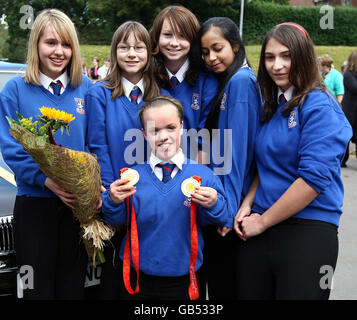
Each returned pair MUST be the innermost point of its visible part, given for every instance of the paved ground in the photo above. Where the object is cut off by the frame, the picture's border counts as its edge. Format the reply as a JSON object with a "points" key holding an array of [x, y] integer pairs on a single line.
{"points": [[345, 279]]}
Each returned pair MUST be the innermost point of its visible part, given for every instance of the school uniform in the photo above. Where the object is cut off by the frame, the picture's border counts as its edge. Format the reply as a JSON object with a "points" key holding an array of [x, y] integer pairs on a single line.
{"points": [[163, 223], [46, 235], [285, 261], [196, 101], [232, 155]]}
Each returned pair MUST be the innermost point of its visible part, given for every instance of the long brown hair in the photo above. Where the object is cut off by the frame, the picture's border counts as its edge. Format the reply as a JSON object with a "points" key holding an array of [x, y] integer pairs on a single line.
{"points": [[304, 71], [352, 62], [180, 18], [114, 79]]}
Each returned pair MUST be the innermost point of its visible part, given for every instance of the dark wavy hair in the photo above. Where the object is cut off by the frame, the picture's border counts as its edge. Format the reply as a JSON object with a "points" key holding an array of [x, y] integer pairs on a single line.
{"points": [[304, 70], [183, 20], [230, 32]]}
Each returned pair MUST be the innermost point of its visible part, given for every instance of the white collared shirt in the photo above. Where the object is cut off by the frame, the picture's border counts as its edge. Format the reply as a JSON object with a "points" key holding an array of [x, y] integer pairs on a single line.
{"points": [[46, 81], [287, 94], [180, 75], [178, 159], [128, 86]]}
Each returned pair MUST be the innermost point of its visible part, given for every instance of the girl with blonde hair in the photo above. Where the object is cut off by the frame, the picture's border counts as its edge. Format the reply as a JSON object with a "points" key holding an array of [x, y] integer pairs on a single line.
{"points": [[46, 235]]}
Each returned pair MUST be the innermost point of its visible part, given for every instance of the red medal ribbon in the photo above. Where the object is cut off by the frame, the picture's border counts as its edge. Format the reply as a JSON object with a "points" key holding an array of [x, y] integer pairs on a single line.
{"points": [[134, 244], [193, 287]]}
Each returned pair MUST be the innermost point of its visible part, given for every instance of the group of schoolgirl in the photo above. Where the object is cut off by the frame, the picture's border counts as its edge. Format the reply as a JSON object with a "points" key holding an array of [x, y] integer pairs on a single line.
{"points": [[282, 193]]}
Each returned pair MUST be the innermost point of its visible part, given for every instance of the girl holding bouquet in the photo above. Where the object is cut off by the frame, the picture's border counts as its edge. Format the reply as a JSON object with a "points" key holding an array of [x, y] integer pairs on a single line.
{"points": [[235, 110], [113, 107], [168, 267], [46, 236]]}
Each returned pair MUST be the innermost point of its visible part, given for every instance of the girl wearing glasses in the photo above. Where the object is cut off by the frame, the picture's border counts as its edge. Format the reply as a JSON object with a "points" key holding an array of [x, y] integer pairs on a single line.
{"points": [[113, 107], [178, 66]]}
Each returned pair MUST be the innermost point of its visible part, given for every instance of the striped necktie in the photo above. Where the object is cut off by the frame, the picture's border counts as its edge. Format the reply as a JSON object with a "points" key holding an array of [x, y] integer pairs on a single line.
{"points": [[282, 99], [174, 82], [134, 95], [56, 86], [167, 169]]}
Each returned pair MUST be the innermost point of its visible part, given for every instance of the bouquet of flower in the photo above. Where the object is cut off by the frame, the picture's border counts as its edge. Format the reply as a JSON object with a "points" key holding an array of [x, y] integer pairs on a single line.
{"points": [[75, 171]]}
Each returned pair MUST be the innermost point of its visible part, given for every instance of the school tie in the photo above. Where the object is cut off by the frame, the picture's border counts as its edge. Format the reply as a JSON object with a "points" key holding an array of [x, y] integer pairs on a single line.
{"points": [[134, 95], [56, 86], [167, 169], [174, 82], [282, 99]]}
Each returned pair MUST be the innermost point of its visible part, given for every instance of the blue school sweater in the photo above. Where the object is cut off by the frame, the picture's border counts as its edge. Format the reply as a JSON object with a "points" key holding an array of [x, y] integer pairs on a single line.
{"points": [[310, 143], [232, 148], [163, 219], [27, 99], [114, 132], [196, 101]]}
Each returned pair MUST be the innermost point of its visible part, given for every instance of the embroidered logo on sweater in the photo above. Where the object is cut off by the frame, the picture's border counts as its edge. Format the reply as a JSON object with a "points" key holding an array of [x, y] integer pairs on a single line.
{"points": [[292, 119], [223, 102], [195, 101], [80, 105]]}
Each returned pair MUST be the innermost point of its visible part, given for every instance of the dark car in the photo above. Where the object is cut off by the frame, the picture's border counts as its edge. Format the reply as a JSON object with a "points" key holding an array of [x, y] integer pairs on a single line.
{"points": [[8, 269]]}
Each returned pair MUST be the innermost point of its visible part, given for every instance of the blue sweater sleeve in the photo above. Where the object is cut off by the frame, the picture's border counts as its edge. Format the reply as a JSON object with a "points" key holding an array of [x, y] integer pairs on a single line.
{"points": [[218, 214], [324, 135], [97, 141], [20, 162], [114, 213], [241, 116]]}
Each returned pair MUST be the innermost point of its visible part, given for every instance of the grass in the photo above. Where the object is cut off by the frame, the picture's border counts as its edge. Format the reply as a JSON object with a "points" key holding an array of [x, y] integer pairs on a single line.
{"points": [[338, 53]]}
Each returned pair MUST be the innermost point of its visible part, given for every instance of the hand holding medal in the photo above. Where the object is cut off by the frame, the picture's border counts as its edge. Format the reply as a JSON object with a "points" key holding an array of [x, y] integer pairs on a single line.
{"points": [[125, 187]]}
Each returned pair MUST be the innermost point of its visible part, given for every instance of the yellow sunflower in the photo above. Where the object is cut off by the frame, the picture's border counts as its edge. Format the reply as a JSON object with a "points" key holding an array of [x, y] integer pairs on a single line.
{"points": [[52, 113]]}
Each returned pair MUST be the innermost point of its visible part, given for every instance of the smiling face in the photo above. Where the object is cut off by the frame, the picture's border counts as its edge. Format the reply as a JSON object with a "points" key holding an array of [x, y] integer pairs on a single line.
{"points": [[54, 53], [277, 59], [131, 62], [163, 130], [217, 51], [174, 46]]}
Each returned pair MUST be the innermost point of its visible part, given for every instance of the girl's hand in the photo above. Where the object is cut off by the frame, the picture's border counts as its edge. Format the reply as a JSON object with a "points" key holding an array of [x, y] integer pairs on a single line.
{"points": [[223, 230], [119, 191], [100, 202], [66, 197], [243, 211], [253, 225], [205, 196]]}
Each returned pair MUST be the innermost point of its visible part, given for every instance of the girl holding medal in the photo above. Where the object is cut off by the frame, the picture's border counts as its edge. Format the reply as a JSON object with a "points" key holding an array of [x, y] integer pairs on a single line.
{"points": [[235, 110], [166, 200], [47, 237], [290, 216], [179, 68]]}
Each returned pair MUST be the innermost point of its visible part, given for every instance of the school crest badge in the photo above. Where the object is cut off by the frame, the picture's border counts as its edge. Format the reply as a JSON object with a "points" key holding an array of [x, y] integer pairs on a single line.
{"points": [[223, 102], [292, 119], [80, 105], [195, 101]]}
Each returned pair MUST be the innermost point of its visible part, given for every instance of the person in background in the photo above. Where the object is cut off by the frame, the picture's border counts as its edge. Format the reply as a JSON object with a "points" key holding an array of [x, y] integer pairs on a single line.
{"points": [[333, 78], [84, 65], [236, 109], [93, 72], [47, 237], [289, 219], [104, 69], [349, 102]]}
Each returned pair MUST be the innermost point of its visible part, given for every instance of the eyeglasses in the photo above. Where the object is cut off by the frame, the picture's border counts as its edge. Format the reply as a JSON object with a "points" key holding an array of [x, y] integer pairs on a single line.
{"points": [[137, 48]]}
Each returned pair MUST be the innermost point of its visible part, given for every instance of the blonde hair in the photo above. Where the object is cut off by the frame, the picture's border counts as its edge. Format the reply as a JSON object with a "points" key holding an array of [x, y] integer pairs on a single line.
{"points": [[60, 23], [326, 60], [114, 78]]}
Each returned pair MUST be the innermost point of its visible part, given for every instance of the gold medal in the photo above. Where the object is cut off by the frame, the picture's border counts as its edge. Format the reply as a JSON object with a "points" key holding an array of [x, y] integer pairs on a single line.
{"points": [[189, 186], [132, 175]]}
